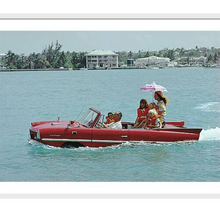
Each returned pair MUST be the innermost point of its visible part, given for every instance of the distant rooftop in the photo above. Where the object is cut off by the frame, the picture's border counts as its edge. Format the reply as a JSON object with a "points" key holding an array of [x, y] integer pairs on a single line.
{"points": [[101, 52], [154, 57]]}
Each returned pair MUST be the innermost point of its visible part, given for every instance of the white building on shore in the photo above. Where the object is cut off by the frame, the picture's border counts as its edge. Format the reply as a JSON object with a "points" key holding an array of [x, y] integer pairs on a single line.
{"points": [[192, 60], [152, 61], [101, 59], [2, 55]]}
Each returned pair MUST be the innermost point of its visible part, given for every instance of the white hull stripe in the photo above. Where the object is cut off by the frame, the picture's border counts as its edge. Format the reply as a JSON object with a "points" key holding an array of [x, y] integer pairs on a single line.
{"points": [[104, 141], [83, 140]]}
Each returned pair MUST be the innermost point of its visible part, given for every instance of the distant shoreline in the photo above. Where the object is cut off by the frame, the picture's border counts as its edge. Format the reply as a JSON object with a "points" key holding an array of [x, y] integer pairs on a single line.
{"points": [[21, 70], [66, 69]]}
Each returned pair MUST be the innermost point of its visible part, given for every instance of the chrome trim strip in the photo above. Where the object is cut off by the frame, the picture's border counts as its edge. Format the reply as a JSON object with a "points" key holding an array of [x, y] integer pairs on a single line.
{"points": [[64, 140], [103, 141], [107, 141], [83, 140], [38, 134]]}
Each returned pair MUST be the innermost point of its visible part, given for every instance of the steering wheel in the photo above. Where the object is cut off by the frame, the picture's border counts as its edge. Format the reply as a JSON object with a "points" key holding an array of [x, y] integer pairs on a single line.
{"points": [[90, 123]]}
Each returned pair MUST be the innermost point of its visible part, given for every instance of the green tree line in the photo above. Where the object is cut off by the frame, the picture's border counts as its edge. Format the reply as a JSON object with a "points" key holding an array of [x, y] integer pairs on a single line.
{"points": [[53, 57], [212, 54]]}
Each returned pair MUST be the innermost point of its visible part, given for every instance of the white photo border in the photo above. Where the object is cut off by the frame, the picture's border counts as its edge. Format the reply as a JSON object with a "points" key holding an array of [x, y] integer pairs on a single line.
{"points": [[107, 190]]}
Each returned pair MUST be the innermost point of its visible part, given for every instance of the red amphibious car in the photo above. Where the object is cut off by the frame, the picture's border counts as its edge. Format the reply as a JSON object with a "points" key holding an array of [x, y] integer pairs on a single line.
{"points": [[88, 131]]}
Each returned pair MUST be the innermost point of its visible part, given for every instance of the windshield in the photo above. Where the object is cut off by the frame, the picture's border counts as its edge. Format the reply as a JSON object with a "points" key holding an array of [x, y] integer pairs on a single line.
{"points": [[88, 119], [99, 122]]}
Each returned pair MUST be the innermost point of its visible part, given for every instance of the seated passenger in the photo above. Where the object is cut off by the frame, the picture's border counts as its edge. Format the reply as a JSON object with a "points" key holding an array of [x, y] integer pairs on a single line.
{"points": [[109, 118], [153, 120], [117, 121], [141, 113], [152, 105]]}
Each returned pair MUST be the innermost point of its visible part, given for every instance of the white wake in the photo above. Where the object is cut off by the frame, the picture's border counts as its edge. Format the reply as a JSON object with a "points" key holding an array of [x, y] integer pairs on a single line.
{"points": [[212, 134], [209, 107]]}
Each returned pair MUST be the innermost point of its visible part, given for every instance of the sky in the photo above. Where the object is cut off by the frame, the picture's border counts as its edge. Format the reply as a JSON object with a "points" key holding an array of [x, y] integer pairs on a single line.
{"points": [[85, 41]]}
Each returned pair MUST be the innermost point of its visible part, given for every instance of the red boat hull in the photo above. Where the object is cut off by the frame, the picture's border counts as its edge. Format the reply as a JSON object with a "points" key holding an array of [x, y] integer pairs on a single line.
{"points": [[59, 134]]}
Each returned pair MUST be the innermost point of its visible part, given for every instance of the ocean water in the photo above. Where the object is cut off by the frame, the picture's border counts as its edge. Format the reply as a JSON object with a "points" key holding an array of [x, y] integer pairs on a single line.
{"points": [[35, 96]]}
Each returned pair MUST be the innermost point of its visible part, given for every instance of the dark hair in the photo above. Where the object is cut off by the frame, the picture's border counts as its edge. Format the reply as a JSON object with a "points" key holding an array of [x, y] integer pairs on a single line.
{"points": [[110, 113], [162, 98], [145, 102]]}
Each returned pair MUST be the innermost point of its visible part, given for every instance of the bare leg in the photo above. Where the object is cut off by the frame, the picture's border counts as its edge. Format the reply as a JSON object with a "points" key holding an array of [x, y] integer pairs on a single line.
{"points": [[136, 124], [143, 123]]}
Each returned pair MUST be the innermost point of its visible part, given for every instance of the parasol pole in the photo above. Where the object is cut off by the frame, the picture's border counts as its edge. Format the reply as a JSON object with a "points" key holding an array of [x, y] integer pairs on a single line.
{"points": [[152, 96]]}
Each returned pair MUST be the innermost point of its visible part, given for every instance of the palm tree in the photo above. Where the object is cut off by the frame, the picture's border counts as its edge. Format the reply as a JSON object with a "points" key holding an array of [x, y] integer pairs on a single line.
{"points": [[74, 58], [182, 52], [147, 54], [10, 60], [210, 58], [40, 61], [53, 54], [215, 58], [170, 54], [130, 55], [61, 60]]}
